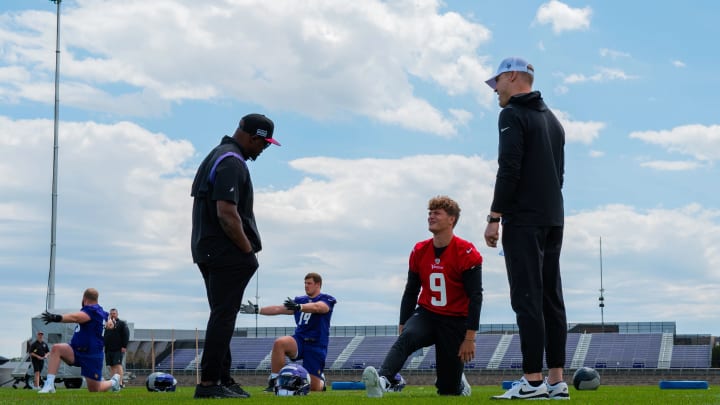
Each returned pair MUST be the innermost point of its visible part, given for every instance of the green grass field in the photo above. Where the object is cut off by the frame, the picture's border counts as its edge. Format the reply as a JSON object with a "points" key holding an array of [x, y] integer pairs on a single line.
{"points": [[414, 395]]}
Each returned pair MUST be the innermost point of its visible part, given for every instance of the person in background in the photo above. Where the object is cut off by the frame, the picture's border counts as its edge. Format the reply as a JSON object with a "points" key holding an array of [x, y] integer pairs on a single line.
{"points": [[39, 351], [116, 341]]}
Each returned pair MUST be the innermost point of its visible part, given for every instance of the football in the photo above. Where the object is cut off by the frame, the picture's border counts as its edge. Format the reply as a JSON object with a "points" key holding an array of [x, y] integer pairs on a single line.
{"points": [[586, 378]]}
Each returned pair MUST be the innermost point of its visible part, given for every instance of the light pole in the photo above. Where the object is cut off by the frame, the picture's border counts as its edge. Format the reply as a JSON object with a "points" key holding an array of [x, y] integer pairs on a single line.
{"points": [[50, 300], [602, 290]]}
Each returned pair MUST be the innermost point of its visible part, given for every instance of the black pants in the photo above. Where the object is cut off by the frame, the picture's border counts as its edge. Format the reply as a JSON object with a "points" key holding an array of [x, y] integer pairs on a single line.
{"points": [[225, 282], [532, 258], [424, 329]]}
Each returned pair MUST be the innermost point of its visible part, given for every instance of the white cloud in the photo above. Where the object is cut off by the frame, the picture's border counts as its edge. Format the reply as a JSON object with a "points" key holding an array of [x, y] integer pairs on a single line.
{"points": [[330, 58], [579, 131], [678, 63], [613, 54], [675, 165], [604, 74], [699, 141], [596, 153], [563, 17]]}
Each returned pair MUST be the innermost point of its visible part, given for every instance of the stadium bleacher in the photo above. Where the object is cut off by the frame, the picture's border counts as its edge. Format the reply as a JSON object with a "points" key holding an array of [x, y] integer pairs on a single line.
{"points": [[691, 356], [600, 350]]}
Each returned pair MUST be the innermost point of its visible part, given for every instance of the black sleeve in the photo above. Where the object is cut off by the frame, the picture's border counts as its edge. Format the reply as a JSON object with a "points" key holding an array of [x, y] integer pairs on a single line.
{"points": [[472, 280], [510, 156], [409, 298]]}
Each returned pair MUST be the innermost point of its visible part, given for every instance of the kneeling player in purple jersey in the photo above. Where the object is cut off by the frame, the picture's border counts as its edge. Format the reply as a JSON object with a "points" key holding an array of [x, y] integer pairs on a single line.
{"points": [[310, 341], [86, 346]]}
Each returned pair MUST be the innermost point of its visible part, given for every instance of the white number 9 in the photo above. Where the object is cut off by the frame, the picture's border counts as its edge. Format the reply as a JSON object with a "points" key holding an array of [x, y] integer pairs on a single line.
{"points": [[437, 284]]}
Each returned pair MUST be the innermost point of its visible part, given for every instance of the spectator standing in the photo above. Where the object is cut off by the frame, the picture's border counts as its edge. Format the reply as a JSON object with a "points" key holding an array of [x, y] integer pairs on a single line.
{"points": [[39, 351], [116, 342]]}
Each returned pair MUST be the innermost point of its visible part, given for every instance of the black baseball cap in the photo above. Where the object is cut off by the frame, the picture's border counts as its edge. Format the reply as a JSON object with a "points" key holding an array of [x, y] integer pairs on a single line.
{"points": [[260, 125]]}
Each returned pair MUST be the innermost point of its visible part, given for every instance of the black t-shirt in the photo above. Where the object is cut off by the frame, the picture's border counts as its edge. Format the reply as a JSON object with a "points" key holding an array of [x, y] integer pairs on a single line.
{"points": [[39, 348], [223, 175]]}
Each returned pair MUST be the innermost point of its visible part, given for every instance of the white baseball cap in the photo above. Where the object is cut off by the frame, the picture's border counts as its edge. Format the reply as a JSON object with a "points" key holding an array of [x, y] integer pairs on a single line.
{"points": [[511, 64]]}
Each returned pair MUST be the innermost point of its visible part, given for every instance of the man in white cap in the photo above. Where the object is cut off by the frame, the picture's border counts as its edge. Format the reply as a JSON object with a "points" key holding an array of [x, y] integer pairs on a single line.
{"points": [[528, 202]]}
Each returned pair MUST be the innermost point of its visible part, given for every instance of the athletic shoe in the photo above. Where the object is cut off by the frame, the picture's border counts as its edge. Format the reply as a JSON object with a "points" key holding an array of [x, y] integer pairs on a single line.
{"points": [[47, 389], [523, 390], [214, 391], [271, 385], [557, 391], [466, 389], [236, 388], [115, 380], [375, 385], [324, 381]]}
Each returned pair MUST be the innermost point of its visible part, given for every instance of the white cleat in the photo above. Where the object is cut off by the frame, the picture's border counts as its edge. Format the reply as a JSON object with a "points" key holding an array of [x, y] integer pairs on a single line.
{"points": [[374, 384], [558, 391], [47, 389], [523, 390], [115, 383]]}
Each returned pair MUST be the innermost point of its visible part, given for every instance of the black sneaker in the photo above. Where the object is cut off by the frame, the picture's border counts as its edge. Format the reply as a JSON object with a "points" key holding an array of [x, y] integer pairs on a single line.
{"points": [[271, 385], [214, 391], [236, 388]]}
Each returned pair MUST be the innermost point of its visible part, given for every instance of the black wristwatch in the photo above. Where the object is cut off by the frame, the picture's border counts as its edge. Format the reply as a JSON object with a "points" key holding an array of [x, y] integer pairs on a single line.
{"points": [[491, 219]]}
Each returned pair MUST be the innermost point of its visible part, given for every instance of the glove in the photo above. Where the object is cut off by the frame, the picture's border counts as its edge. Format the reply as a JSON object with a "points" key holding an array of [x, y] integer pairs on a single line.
{"points": [[292, 305], [48, 317], [250, 308]]}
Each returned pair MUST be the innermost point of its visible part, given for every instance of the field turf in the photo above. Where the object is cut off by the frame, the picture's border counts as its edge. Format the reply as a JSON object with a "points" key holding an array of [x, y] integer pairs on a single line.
{"points": [[411, 395]]}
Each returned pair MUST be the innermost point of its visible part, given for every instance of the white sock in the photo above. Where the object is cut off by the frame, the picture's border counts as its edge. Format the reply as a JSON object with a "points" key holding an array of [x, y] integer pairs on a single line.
{"points": [[274, 375], [50, 380]]}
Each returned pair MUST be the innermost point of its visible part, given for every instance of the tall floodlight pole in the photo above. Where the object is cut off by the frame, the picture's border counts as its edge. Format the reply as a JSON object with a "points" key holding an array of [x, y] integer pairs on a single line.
{"points": [[50, 300], [602, 290]]}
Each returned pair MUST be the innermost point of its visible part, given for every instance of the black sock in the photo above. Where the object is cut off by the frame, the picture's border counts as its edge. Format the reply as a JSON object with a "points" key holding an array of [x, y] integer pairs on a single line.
{"points": [[535, 383]]}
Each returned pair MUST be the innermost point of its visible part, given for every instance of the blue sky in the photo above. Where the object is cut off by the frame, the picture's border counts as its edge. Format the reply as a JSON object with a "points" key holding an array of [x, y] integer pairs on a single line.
{"points": [[379, 106]]}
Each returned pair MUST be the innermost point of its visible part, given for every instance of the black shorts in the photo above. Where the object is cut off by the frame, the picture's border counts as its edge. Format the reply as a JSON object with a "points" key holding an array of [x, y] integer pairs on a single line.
{"points": [[37, 365], [113, 358]]}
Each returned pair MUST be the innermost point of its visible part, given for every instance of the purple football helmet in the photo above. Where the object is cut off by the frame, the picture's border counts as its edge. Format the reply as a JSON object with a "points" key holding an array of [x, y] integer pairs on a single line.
{"points": [[293, 379]]}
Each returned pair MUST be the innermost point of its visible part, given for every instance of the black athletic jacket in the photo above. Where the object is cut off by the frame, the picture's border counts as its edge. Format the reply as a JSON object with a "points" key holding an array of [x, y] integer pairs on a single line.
{"points": [[531, 163]]}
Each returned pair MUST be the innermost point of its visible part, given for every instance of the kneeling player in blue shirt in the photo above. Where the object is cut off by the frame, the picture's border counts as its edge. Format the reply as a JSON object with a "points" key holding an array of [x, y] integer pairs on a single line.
{"points": [[310, 341]]}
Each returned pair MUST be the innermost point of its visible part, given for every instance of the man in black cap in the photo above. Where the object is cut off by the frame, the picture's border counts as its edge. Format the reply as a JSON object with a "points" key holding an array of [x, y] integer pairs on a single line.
{"points": [[224, 242], [38, 353]]}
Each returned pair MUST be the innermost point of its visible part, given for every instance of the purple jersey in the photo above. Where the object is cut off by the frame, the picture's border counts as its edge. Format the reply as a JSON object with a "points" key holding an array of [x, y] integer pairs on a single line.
{"points": [[88, 336], [314, 328]]}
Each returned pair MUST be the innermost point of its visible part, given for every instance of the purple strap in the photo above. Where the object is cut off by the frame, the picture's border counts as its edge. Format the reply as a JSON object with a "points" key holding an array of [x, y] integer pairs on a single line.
{"points": [[211, 177]]}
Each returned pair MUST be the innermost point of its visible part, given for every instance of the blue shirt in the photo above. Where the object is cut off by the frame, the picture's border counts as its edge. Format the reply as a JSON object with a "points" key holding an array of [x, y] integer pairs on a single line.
{"points": [[314, 327], [88, 336]]}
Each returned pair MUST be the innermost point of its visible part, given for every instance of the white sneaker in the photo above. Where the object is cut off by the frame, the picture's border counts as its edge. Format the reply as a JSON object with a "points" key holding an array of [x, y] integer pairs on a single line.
{"points": [[558, 391], [375, 385], [523, 390], [115, 383], [47, 389], [467, 390]]}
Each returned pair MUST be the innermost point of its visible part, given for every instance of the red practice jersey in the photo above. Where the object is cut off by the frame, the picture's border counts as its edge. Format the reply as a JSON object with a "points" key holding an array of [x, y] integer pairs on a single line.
{"points": [[441, 278]]}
